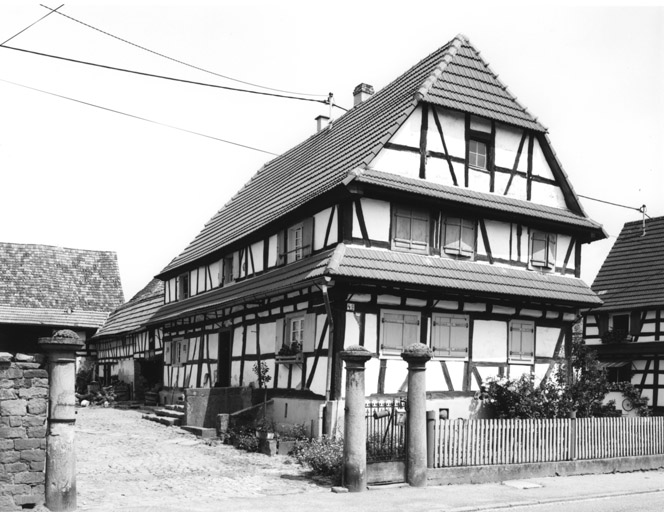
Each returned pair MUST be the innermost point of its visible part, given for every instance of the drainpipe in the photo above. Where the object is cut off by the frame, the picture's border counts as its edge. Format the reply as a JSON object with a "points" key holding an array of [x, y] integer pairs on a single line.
{"points": [[330, 347]]}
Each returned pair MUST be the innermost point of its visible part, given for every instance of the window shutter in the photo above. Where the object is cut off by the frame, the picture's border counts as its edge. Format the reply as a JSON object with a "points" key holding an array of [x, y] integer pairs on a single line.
{"points": [[551, 256], [467, 242], [392, 331], [522, 341], [281, 250], [538, 249], [635, 323], [307, 236], [184, 351], [168, 359], [309, 335], [459, 334], [279, 335], [452, 235], [440, 335]]}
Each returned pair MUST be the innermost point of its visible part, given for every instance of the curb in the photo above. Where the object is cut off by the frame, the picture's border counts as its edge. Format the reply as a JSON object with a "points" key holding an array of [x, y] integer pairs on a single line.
{"points": [[549, 501]]}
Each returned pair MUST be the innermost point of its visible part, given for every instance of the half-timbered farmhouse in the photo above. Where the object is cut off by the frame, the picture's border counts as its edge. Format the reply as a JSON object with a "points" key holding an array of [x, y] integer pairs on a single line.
{"points": [[628, 328], [126, 348], [44, 289], [434, 211]]}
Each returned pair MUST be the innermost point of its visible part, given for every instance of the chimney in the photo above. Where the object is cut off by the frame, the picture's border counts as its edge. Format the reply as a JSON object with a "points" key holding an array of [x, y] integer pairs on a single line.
{"points": [[361, 93], [321, 122]]}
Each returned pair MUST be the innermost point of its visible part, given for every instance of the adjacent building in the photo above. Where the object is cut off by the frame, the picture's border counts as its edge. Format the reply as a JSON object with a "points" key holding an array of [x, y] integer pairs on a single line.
{"points": [[44, 289], [628, 328]]}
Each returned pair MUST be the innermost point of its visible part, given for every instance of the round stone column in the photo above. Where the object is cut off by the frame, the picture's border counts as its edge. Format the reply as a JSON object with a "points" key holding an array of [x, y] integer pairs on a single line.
{"points": [[355, 429], [417, 355], [60, 455]]}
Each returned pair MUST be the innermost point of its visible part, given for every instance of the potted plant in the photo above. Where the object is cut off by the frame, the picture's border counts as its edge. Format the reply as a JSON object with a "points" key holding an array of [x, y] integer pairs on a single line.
{"points": [[263, 427]]}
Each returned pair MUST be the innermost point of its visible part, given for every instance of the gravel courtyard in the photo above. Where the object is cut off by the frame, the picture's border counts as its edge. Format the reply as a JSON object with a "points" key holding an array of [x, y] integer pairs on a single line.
{"points": [[126, 463]]}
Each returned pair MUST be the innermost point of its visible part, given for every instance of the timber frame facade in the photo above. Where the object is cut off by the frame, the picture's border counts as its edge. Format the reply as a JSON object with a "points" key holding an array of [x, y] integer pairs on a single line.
{"points": [[628, 329], [435, 211]]}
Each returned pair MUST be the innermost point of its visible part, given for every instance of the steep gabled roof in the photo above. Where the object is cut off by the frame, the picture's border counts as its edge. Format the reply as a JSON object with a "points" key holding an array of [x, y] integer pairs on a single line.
{"points": [[632, 275], [454, 76], [134, 314], [42, 284]]}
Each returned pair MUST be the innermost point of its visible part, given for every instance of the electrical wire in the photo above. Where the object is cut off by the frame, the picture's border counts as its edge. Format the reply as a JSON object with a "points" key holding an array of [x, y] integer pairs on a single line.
{"points": [[641, 209], [163, 77], [31, 25], [177, 60], [139, 117]]}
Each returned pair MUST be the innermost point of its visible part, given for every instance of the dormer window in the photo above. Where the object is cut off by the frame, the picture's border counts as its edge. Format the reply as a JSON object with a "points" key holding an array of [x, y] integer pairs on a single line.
{"points": [[410, 229], [477, 154], [295, 243], [459, 237]]}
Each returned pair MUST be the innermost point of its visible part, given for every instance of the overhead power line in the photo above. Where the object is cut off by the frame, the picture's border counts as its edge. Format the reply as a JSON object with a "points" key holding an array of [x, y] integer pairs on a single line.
{"points": [[177, 60], [172, 79], [139, 117], [641, 209], [32, 24]]}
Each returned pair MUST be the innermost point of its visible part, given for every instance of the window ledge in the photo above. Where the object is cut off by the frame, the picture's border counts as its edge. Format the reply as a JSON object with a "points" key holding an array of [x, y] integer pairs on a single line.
{"points": [[293, 359]]}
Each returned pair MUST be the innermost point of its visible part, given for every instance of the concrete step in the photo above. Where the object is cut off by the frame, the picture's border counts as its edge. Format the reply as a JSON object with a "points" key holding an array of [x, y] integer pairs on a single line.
{"points": [[169, 422], [175, 407], [203, 433], [169, 413]]}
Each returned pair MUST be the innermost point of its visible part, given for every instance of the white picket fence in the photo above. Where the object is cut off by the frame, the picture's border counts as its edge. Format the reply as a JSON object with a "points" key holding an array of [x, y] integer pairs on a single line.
{"points": [[485, 442]]}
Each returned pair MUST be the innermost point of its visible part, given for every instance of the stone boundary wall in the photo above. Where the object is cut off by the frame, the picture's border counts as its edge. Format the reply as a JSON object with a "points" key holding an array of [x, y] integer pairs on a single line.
{"points": [[23, 409]]}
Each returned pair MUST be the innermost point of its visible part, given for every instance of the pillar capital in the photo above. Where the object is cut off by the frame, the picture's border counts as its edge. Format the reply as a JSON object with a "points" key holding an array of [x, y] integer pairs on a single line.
{"points": [[64, 340], [416, 355], [355, 357]]}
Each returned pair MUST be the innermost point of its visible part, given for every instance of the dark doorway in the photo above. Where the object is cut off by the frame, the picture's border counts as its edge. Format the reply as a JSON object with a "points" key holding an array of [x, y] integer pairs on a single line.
{"points": [[225, 353]]}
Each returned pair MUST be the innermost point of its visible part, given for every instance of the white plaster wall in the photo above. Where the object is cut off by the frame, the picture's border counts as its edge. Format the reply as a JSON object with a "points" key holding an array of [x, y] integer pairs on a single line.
{"points": [[293, 411], [454, 129], [396, 375], [489, 343], [237, 341], [371, 332], [267, 336], [517, 370], [480, 124], [408, 133], [371, 373], [438, 171], [540, 371], [562, 244], [518, 188], [201, 274], [477, 180], [251, 339], [457, 373], [125, 370], [486, 372], [507, 146], [321, 220], [272, 253], [435, 379], [320, 322], [257, 252], [499, 238], [458, 407], [319, 382], [546, 339], [215, 273], [550, 195], [213, 345], [540, 165], [352, 333], [403, 163], [376, 218]]}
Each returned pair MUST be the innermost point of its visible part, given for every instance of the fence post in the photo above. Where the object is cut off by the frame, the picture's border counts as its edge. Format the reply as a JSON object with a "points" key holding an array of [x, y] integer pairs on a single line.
{"points": [[572, 437], [431, 438], [60, 488], [416, 355], [355, 428]]}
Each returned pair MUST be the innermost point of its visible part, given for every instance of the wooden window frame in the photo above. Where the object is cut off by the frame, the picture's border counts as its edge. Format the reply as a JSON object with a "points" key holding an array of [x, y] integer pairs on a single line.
{"points": [[455, 248], [474, 156], [546, 243], [396, 350], [178, 346], [517, 356], [408, 244], [183, 285], [448, 322], [227, 276]]}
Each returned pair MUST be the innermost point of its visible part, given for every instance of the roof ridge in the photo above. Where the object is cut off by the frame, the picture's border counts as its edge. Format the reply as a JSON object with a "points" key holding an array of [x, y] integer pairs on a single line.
{"points": [[450, 53]]}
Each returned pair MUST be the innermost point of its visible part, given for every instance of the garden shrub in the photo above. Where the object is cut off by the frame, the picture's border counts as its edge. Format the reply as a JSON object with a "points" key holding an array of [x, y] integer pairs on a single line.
{"points": [[243, 438], [325, 456]]}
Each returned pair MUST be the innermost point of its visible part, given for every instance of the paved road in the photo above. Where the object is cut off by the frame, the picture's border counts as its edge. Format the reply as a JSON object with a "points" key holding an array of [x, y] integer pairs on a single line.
{"points": [[647, 502], [123, 461]]}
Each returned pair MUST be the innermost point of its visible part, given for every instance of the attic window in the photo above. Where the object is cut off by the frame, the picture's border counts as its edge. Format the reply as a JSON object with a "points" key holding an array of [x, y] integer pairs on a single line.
{"points": [[543, 250], [183, 286], [477, 155]]}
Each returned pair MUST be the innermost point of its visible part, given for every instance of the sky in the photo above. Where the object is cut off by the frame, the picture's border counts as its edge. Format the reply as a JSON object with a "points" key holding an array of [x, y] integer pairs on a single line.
{"points": [[106, 169]]}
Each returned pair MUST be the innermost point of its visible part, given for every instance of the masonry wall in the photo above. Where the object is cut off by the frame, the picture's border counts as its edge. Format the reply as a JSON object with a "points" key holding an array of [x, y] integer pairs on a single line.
{"points": [[23, 406]]}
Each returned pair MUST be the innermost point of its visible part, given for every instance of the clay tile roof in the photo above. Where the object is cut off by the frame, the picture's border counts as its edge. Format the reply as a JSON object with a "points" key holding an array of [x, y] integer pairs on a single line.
{"points": [[632, 275], [453, 76], [134, 314], [449, 275], [42, 284]]}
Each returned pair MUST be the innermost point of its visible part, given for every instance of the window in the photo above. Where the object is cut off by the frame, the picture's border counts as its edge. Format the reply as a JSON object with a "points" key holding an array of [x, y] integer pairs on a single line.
{"points": [[295, 243], [183, 286], [522, 341], [449, 335], [477, 155], [179, 352], [293, 340], [227, 270], [398, 330], [542, 250], [459, 237], [410, 230]]}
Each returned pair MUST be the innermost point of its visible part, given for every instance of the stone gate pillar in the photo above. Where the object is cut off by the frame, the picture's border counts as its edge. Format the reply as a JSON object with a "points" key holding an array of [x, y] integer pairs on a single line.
{"points": [[417, 355], [60, 456], [355, 429]]}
